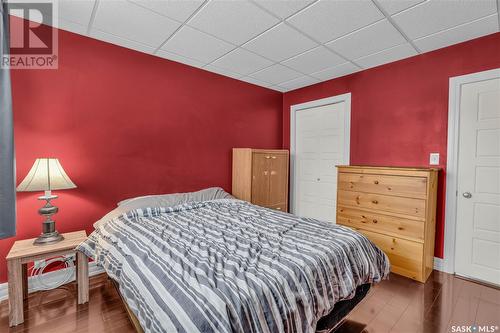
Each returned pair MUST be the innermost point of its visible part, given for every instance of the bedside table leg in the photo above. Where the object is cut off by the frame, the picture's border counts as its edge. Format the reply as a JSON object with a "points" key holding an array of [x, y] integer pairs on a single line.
{"points": [[16, 315], [25, 281], [82, 277]]}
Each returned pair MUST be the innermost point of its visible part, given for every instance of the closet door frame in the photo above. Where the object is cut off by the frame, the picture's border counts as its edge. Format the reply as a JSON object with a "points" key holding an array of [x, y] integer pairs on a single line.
{"points": [[346, 98]]}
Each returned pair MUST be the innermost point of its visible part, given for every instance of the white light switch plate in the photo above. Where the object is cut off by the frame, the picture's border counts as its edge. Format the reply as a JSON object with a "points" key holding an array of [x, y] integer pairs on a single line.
{"points": [[434, 159]]}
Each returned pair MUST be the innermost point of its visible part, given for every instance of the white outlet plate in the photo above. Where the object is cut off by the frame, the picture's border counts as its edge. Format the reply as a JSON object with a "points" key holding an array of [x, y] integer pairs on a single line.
{"points": [[434, 159]]}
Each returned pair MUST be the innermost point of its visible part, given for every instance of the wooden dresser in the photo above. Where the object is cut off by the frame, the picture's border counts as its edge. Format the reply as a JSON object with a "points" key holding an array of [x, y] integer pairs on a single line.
{"points": [[396, 209], [261, 177]]}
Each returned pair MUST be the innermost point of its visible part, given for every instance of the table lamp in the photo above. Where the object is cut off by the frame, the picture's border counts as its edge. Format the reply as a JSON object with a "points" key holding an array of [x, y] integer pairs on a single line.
{"points": [[47, 174]]}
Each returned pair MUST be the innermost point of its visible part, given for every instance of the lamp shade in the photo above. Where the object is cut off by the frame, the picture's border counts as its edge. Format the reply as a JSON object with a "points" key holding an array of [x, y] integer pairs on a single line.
{"points": [[46, 174]]}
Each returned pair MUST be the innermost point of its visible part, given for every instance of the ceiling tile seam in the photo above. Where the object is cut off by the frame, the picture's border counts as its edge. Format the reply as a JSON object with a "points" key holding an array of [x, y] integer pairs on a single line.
{"points": [[125, 39], [224, 40], [249, 77], [180, 55], [396, 26], [316, 41], [410, 8], [287, 81], [498, 13], [92, 17], [301, 32], [384, 50], [289, 16], [240, 45], [182, 25], [456, 26], [274, 62], [157, 12], [278, 63], [356, 30]]}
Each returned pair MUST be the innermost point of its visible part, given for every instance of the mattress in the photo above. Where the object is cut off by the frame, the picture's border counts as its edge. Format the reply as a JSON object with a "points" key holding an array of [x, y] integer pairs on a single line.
{"points": [[230, 266]]}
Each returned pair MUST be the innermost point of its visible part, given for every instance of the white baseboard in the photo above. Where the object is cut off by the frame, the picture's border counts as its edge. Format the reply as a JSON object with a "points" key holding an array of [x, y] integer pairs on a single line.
{"points": [[442, 265], [50, 277]]}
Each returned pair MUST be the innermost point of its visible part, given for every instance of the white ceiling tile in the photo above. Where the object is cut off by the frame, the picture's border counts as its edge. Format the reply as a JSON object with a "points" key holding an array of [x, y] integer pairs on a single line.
{"points": [[127, 20], [177, 58], [72, 27], [337, 71], [76, 11], [475, 29], [436, 15], [276, 74], [278, 88], [330, 19], [283, 8], [376, 37], [299, 82], [242, 61], [395, 6], [255, 81], [221, 71], [179, 10], [393, 54], [314, 60], [233, 21], [194, 44], [280, 43], [130, 44]]}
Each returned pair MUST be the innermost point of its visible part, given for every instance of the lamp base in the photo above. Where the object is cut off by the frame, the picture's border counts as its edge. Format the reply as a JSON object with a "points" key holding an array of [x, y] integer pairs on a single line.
{"points": [[48, 238]]}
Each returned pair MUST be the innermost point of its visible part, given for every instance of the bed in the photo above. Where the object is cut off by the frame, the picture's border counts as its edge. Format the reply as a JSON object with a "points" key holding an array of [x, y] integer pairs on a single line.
{"points": [[213, 263]]}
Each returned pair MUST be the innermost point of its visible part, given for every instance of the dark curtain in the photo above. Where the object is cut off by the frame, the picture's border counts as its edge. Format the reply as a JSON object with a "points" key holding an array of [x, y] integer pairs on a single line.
{"points": [[7, 177]]}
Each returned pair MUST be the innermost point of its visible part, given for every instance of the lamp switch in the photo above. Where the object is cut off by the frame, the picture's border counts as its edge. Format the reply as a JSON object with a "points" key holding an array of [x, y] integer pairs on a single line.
{"points": [[434, 159]]}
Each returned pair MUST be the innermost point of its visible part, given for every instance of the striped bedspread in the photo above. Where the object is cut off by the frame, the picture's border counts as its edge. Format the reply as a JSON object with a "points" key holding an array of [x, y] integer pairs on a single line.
{"points": [[230, 266]]}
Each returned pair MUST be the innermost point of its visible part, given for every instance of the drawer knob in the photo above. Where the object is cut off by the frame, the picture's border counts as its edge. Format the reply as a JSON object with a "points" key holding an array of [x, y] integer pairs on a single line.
{"points": [[376, 182], [268, 157], [273, 157], [375, 221], [278, 208], [401, 228], [375, 202]]}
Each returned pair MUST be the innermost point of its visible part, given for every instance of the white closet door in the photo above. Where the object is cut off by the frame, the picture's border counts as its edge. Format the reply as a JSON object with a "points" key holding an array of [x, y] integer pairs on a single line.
{"points": [[478, 205], [320, 143]]}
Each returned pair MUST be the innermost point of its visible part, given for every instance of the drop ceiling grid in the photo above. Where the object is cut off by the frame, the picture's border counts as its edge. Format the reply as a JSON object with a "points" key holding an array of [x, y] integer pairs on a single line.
{"points": [[418, 23]]}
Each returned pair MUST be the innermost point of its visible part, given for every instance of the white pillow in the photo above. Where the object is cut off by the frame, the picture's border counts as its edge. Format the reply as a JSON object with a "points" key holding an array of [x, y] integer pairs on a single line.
{"points": [[164, 200], [173, 199]]}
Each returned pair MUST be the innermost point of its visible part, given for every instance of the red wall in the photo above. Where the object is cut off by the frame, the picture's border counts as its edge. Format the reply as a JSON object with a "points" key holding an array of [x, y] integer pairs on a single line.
{"points": [[399, 111], [124, 123]]}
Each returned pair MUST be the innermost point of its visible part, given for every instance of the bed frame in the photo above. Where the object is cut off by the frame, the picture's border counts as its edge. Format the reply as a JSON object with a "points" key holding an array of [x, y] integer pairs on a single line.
{"points": [[327, 324], [131, 315]]}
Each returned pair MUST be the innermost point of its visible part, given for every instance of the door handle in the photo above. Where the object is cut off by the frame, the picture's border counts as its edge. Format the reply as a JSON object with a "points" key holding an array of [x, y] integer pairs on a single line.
{"points": [[467, 195]]}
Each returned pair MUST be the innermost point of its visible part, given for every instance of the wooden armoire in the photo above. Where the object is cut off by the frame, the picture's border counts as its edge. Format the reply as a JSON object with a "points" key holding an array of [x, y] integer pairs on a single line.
{"points": [[261, 177]]}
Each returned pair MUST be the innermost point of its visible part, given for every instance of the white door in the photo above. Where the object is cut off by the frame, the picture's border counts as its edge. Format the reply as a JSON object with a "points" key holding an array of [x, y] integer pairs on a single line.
{"points": [[477, 245], [320, 145]]}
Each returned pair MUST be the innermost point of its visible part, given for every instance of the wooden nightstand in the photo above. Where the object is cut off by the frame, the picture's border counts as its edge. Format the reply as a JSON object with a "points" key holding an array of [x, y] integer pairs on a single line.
{"points": [[24, 251]]}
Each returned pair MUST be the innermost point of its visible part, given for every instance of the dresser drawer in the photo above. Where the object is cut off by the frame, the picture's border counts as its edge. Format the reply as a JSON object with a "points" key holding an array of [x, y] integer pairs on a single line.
{"points": [[414, 187], [382, 203], [386, 224], [405, 256]]}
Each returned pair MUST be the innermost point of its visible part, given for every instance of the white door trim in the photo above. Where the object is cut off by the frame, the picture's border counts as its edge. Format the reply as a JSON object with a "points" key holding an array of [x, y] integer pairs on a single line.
{"points": [[312, 104], [452, 161]]}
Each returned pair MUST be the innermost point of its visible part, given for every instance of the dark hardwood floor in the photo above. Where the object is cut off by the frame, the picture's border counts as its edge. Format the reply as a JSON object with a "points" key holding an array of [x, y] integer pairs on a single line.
{"points": [[397, 305]]}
